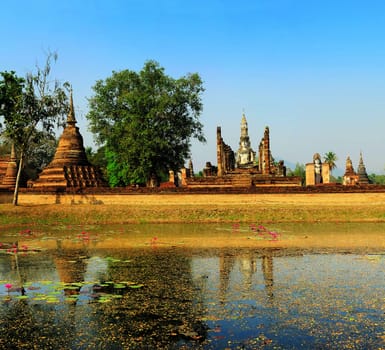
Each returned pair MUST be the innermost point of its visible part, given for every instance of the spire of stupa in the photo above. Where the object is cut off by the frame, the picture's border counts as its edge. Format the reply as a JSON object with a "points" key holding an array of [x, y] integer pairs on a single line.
{"points": [[71, 114], [245, 154], [349, 170], [13, 152], [361, 172], [244, 128]]}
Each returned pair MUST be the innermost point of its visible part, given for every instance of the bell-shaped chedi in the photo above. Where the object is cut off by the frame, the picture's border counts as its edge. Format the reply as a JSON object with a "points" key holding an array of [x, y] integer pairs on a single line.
{"points": [[245, 154], [9, 179], [70, 166], [361, 172], [350, 176]]}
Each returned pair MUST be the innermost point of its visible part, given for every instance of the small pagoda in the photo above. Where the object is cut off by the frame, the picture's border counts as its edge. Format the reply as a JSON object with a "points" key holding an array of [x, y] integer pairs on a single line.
{"points": [[363, 178], [70, 167], [8, 171], [350, 176]]}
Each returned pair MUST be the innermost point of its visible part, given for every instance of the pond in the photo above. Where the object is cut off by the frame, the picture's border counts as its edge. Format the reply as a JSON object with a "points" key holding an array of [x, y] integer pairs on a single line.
{"points": [[192, 287]]}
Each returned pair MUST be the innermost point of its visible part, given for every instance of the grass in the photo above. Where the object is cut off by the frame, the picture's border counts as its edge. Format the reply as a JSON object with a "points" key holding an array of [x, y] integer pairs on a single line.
{"points": [[204, 209]]}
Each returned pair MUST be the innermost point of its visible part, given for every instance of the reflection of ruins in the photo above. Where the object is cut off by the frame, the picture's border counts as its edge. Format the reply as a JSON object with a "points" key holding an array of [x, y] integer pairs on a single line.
{"points": [[166, 310], [247, 262], [180, 289]]}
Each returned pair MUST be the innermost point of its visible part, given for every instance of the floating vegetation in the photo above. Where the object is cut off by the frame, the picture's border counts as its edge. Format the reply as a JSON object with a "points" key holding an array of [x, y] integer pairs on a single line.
{"points": [[46, 291], [85, 290]]}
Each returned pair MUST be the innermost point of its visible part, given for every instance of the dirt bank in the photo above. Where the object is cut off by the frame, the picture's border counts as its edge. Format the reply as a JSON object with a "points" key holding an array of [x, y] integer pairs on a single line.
{"points": [[188, 208]]}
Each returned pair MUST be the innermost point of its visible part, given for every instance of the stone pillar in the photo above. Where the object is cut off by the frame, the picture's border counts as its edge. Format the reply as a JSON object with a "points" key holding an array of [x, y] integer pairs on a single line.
{"points": [[310, 177], [219, 152], [325, 173], [171, 176], [191, 168], [266, 152], [183, 176]]}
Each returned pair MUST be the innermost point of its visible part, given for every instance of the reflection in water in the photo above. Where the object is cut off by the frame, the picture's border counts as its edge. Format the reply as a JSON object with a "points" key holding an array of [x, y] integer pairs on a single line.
{"points": [[87, 297], [267, 268]]}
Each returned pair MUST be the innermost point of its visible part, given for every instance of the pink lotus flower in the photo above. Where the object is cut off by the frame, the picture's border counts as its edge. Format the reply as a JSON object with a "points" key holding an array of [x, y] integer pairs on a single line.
{"points": [[8, 286]]}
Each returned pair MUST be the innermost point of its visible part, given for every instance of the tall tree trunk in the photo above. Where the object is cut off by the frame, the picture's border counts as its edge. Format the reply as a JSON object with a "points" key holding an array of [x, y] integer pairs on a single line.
{"points": [[16, 192]]}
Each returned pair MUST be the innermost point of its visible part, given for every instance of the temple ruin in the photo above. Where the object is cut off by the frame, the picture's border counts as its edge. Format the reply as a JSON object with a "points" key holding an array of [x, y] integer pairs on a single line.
{"points": [[70, 167], [317, 173], [8, 170], [355, 178], [243, 168]]}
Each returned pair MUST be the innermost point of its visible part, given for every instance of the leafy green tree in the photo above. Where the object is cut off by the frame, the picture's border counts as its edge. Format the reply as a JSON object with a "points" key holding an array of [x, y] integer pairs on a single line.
{"points": [[377, 179], [5, 147], [39, 154], [31, 107], [98, 159], [331, 158], [145, 120], [300, 171]]}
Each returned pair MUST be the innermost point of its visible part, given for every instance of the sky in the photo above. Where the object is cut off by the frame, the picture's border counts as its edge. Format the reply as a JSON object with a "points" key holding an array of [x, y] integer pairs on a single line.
{"points": [[313, 71]]}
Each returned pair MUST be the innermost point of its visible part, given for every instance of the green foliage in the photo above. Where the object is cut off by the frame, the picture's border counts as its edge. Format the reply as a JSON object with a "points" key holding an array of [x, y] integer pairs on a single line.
{"points": [[145, 120], [98, 158], [5, 147], [331, 158], [39, 154], [300, 171], [338, 179], [31, 108], [377, 179]]}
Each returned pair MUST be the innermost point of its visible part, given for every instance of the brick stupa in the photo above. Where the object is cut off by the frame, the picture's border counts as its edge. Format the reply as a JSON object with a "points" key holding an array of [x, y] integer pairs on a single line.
{"points": [[350, 176], [361, 172], [70, 167], [8, 177]]}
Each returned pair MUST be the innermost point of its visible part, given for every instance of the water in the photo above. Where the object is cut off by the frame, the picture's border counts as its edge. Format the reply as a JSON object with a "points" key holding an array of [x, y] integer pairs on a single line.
{"points": [[125, 288]]}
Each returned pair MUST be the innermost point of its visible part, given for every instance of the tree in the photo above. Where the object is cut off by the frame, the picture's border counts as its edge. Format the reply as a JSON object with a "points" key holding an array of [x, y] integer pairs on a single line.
{"points": [[39, 154], [377, 179], [98, 158], [5, 147], [31, 107], [300, 171], [145, 121], [331, 158]]}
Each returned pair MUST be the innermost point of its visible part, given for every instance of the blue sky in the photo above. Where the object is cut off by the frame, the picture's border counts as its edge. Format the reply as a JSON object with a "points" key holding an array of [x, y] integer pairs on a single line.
{"points": [[313, 71]]}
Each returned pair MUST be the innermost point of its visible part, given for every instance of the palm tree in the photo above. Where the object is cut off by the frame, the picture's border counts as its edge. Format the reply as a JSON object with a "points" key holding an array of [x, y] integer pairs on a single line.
{"points": [[330, 158]]}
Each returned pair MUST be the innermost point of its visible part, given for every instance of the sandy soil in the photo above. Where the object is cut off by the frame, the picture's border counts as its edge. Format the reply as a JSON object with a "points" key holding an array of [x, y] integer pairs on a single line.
{"points": [[302, 220]]}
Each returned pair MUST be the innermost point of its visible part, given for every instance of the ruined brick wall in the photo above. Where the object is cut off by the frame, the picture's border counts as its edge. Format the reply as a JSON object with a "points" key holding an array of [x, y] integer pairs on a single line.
{"points": [[310, 177]]}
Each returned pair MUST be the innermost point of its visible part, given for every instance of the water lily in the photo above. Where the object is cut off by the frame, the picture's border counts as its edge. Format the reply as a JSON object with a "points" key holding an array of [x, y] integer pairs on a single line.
{"points": [[8, 286]]}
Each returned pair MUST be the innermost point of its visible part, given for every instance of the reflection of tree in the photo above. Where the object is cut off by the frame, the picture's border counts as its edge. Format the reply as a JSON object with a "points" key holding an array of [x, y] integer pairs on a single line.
{"points": [[164, 309], [163, 312]]}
